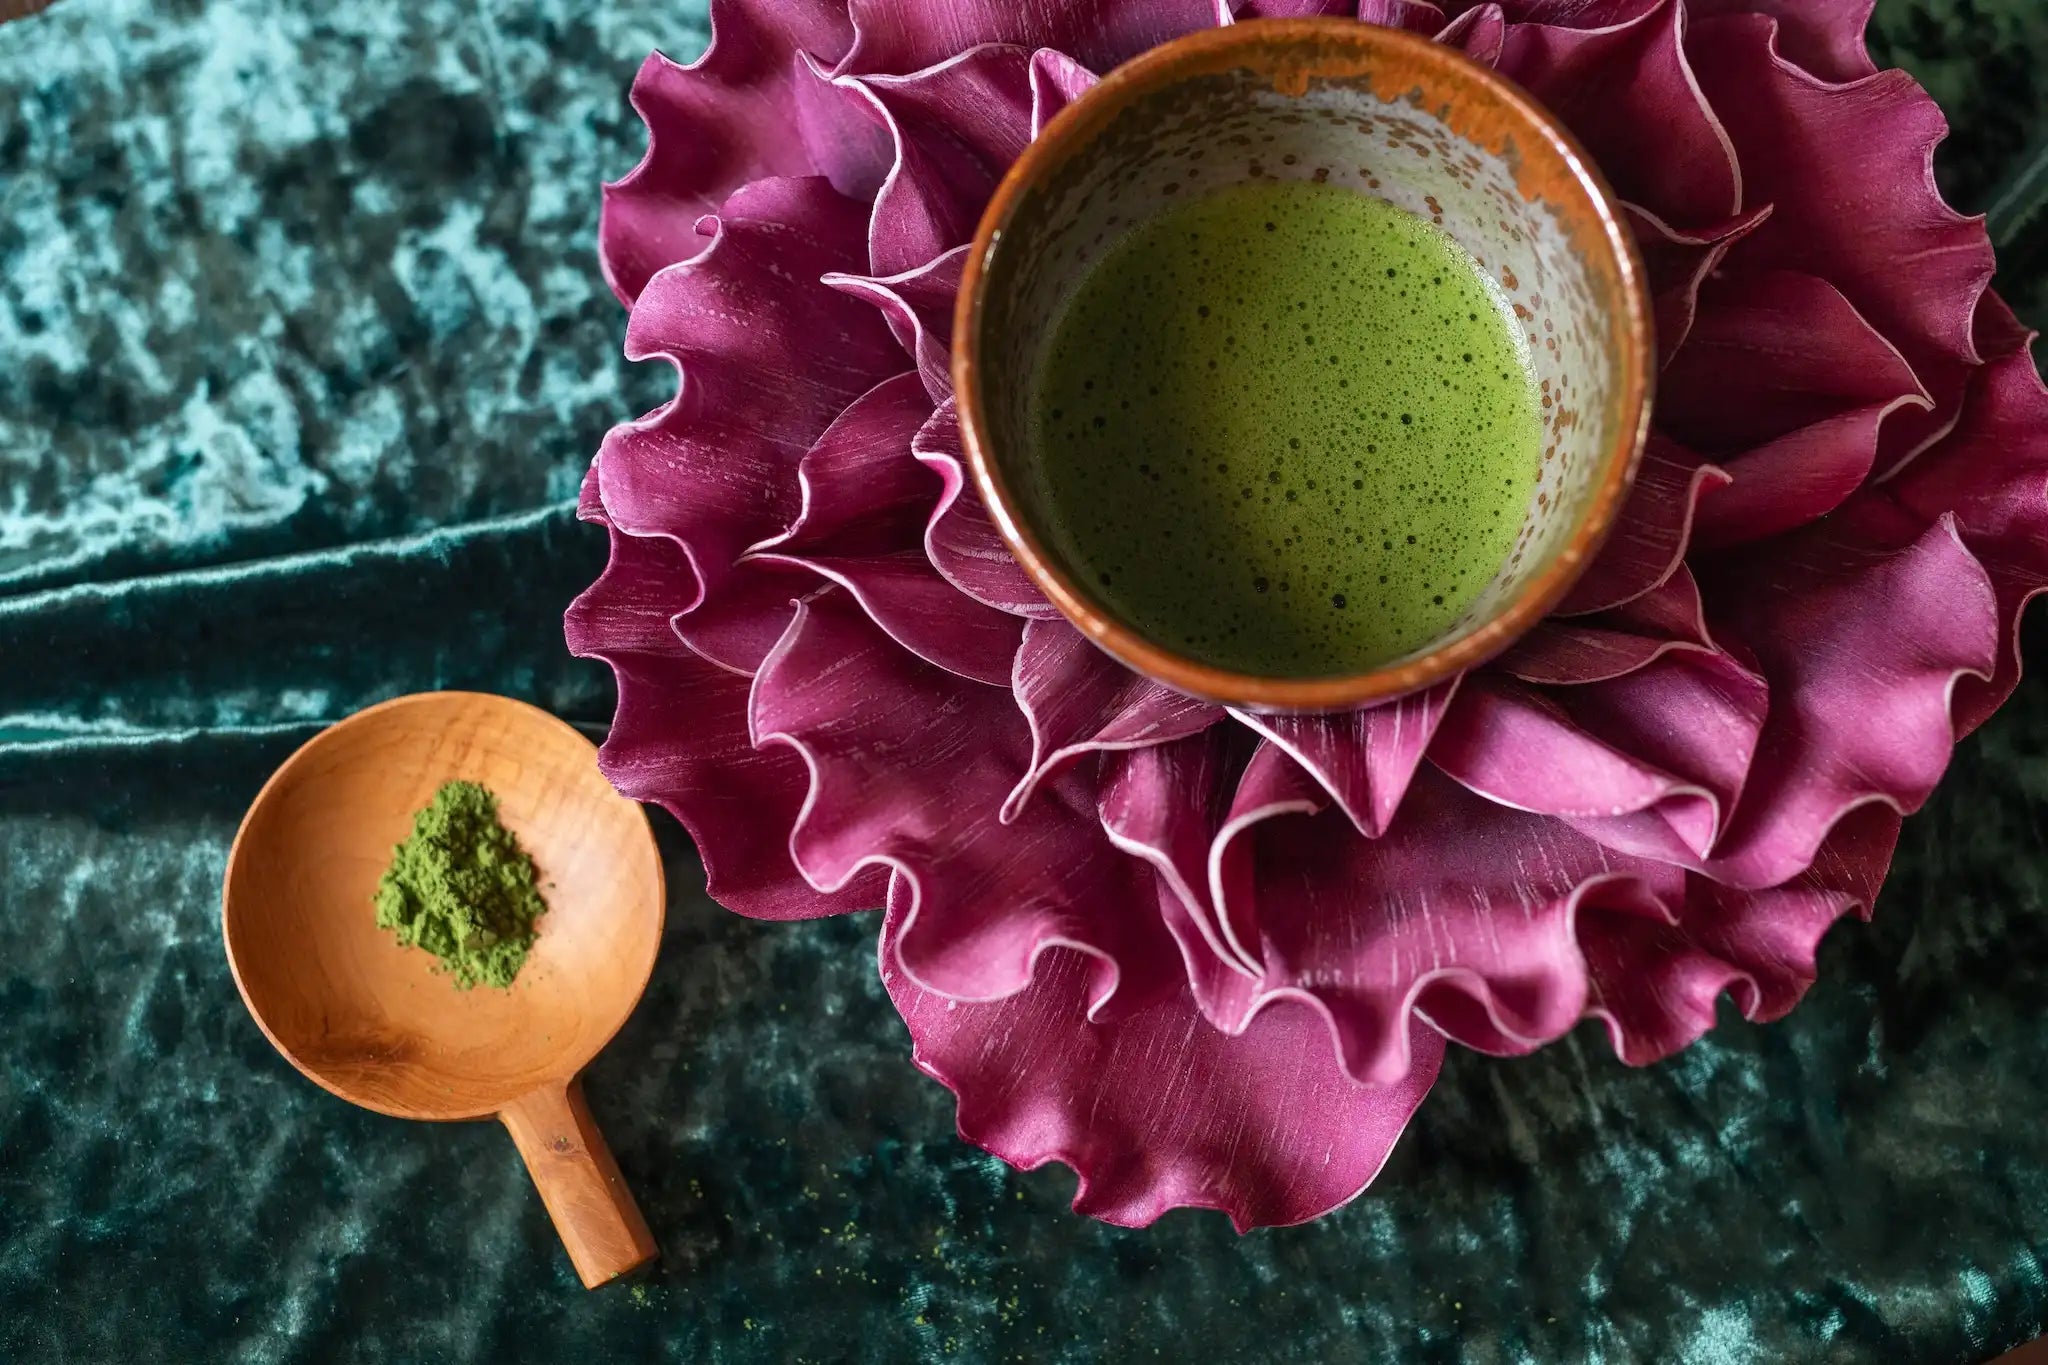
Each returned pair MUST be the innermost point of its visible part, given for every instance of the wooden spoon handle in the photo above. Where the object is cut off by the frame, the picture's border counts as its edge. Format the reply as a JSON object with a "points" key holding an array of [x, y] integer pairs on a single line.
{"points": [[579, 1182]]}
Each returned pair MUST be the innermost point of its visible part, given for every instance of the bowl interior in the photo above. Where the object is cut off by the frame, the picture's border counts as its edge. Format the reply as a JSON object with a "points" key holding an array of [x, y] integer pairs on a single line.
{"points": [[1390, 116], [374, 1022]]}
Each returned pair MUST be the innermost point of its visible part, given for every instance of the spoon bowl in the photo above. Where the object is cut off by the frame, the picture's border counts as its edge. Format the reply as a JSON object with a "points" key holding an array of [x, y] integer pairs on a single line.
{"points": [[374, 1022]]}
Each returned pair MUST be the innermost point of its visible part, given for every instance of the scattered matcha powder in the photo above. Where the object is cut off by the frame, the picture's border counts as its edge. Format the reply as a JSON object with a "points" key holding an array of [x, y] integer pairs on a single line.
{"points": [[462, 889]]}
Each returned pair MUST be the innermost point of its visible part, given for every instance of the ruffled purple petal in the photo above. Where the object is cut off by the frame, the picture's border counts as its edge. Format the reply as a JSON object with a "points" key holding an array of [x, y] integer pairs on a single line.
{"points": [[845, 134], [1649, 761], [906, 35], [1648, 543], [1798, 478], [1784, 385], [865, 501], [715, 468], [1057, 80], [1862, 630], [1678, 262], [1582, 14], [1503, 929], [1991, 475], [1999, 331], [1656, 984], [961, 541], [1773, 352], [1162, 803], [1155, 1110], [860, 490], [1364, 759], [1077, 701], [1629, 93], [1286, 9], [1849, 170], [712, 126], [733, 627], [957, 128], [918, 305], [1417, 16], [1823, 36], [1693, 712], [630, 607], [1673, 610], [1561, 653], [1465, 911], [909, 765], [921, 611], [736, 627], [680, 739], [1269, 786], [1480, 33]]}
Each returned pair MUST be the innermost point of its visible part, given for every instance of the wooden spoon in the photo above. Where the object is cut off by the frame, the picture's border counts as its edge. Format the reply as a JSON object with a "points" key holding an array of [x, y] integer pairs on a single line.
{"points": [[373, 1022]]}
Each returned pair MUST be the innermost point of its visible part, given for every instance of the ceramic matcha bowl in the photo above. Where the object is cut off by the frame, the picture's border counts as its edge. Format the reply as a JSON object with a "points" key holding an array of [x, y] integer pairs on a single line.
{"points": [[1387, 114]]}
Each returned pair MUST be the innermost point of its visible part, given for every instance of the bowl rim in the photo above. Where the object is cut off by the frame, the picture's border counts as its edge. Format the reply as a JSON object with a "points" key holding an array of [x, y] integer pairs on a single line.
{"points": [[1270, 47]]}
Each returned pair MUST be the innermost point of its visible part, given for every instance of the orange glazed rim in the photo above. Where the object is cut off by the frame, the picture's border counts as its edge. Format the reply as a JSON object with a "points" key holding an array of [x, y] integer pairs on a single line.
{"points": [[1482, 106]]}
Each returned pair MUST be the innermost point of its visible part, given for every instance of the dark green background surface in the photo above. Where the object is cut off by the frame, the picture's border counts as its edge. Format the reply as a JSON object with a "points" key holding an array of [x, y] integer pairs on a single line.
{"points": [[302, 352]]}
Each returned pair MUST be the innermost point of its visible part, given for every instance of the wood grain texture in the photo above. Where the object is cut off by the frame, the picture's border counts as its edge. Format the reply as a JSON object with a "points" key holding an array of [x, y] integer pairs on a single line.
{"points": [[579, 1182], [374, 1022]]}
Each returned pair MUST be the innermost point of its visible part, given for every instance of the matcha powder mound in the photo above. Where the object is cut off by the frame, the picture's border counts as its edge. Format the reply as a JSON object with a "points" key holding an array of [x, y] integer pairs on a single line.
{"points": [[463, 889]]}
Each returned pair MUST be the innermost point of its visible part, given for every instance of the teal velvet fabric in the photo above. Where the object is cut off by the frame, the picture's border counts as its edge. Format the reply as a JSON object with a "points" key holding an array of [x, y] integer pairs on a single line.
{"points": [[302, 353]]}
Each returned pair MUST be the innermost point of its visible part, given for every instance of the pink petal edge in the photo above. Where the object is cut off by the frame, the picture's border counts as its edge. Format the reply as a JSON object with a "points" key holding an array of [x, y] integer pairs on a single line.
{"points": [[1263, 1126]]}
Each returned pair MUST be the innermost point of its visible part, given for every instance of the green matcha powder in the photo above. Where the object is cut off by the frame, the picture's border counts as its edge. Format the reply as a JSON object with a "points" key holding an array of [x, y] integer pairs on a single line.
{"points": [[462, 889]]}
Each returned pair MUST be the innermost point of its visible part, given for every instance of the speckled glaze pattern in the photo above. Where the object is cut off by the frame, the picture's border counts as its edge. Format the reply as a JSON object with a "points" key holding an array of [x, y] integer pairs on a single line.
{"points": [[1391, 115], [195, 571]]}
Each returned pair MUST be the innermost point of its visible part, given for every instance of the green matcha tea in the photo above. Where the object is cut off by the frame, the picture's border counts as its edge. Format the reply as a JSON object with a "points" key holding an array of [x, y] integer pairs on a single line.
{"points": [[1286, 429]]}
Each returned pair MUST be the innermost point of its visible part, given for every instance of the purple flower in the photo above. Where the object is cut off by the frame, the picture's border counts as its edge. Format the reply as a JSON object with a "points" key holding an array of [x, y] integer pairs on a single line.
{"points": [[1212, 959]]}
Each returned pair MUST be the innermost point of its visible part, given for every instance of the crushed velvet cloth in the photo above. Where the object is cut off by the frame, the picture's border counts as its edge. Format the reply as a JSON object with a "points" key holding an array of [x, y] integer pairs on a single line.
{"points": [[303, 351]]}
